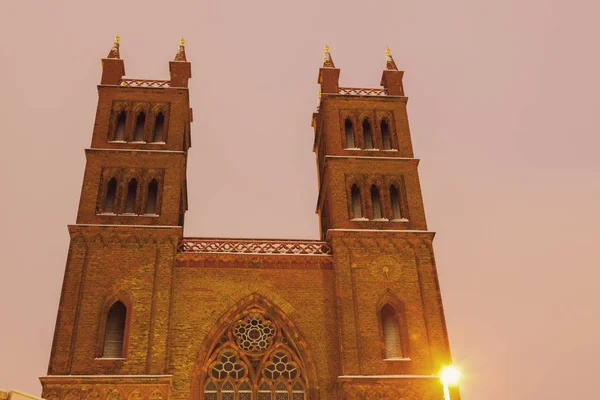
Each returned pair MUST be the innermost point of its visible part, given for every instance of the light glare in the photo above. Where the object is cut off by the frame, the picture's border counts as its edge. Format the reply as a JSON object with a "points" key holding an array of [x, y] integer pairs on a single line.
{"points": [[450, 375]]}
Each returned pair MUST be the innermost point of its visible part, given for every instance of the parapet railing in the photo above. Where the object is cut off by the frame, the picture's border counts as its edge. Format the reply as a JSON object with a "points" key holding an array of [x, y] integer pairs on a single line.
{"points": [[144, 83], [363, 91], [254, 246]]}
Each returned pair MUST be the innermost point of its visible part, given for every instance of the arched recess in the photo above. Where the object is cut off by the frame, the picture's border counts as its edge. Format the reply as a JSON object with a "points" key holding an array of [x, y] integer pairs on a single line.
{"points": [[388, 301], [263, 348], [125, 298]]}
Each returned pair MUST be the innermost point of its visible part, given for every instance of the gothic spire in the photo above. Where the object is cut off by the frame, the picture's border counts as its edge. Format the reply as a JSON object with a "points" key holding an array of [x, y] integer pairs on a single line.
{"points": [[114, 52], [327, 60], [389, 61], [181, 53]]}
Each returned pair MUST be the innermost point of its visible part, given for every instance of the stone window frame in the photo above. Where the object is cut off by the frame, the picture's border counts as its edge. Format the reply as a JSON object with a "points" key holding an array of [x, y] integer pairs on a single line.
{"points": [[387, 116], [390, 299], [357, 180], [344, 115], [127, 299], [400, 184]]}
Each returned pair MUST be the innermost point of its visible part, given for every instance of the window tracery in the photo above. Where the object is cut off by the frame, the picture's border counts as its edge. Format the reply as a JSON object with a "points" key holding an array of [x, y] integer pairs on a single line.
{"points": [[254, 359]]}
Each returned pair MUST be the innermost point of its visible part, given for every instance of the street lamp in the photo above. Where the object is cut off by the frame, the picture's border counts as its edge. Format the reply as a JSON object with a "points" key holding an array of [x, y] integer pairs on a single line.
{"points": [[449, 376]]}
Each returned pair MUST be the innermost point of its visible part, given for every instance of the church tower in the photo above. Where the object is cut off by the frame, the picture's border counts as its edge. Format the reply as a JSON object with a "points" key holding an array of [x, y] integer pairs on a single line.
{"points": [[392, 331], [148, 314], [116, 295]]}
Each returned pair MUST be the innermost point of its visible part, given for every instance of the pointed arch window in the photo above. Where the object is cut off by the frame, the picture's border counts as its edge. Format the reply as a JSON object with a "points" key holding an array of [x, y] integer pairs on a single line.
{"points": [[120, 126], [244, 391], [396, 203], [131, 196], [114, 334], [255, 356], [111, 195], [152, 197], [391, 332], [159, 128], [368, 134], [356, 202], [376, 202], [210, 390], [140, 125], [385, 135], [264, 391], [349, 129]]}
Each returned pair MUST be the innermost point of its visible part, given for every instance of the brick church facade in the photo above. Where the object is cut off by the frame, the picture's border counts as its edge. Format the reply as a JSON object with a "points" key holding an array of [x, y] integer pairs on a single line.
{"points": [[148, 314]]}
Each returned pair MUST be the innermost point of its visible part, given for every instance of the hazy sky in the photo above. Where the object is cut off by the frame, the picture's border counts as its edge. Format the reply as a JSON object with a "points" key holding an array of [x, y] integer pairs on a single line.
{"points": [[504, 105]]}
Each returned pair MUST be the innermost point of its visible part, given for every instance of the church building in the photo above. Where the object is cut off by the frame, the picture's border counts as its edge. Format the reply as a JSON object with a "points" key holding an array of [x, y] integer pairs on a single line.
{"points": [[149, 314]]}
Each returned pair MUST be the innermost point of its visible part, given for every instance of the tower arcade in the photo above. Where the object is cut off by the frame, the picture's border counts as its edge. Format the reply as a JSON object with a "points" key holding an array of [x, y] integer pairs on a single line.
{"points": [[148, 314]]}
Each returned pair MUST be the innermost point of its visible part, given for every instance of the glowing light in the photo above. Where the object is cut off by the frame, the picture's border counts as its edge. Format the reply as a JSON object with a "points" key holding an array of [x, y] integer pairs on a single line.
{"points": [[450, 375]]}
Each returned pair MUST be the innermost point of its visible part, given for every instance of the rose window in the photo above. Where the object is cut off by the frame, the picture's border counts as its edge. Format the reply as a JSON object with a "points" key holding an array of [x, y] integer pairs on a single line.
{"points": [[254, 333]]}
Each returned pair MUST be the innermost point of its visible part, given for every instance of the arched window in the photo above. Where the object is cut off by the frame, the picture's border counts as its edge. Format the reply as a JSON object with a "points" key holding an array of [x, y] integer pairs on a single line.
{"points": [[264, 391], [356, 202], [120, 126], [297, 391], [111, 195], [152, 197], [210, 390], [396, 207], [159, 127], [376, 202], [368, 134], [255, 355], [140, 124], [385, 135], [349, 128], [131, 196], [114, 334], [391, 332], [281, 391], [244, 391], [227, 391]]}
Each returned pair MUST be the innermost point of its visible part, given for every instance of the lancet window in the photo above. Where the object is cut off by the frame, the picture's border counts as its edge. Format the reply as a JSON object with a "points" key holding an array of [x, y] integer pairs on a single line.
{"points": [[159, 127], [120, 126], [367, 134], [140, 125], [349, 129], [114, 334], [255, 359]]}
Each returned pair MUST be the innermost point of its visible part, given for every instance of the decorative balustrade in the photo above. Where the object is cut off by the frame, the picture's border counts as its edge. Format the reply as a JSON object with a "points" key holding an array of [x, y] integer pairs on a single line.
{"points": [[144, 83], [363, 91], [254, 246]]}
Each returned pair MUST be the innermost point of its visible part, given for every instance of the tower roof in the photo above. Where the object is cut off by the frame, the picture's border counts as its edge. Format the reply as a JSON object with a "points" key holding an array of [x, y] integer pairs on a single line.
{"points": [[180, 56], [114, 51], [389, 61], [327, 60]]}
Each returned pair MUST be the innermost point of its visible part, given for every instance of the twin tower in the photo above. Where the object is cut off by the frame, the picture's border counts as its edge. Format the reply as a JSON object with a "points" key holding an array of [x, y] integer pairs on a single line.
{"points": [[148, 314]]}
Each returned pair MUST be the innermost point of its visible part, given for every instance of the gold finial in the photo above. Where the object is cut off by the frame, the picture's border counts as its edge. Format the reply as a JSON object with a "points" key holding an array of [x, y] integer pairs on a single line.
{"points": [[123, 84], [387, 50], [182, 41], [318, 93], [117, 39], [326, 48]]}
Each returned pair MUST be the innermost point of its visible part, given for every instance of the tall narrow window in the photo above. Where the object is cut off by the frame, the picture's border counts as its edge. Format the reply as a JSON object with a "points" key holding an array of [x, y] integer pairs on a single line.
{"points": [[396, 208], [244, 391], [368, 134], [297, 391], [120, 127], [376, 202], [349, 128], [159, 127], [385, 135], [131, 196], [356, 202], [140, 124], [152, 197], [210, 390], [391, 332], [227, 391], [281, 392], [115, 331], [111, 194], [264, 391]]}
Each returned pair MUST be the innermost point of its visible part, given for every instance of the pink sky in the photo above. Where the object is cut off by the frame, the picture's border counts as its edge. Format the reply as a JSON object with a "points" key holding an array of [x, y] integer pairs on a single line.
{"points": [[504, 104]]}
